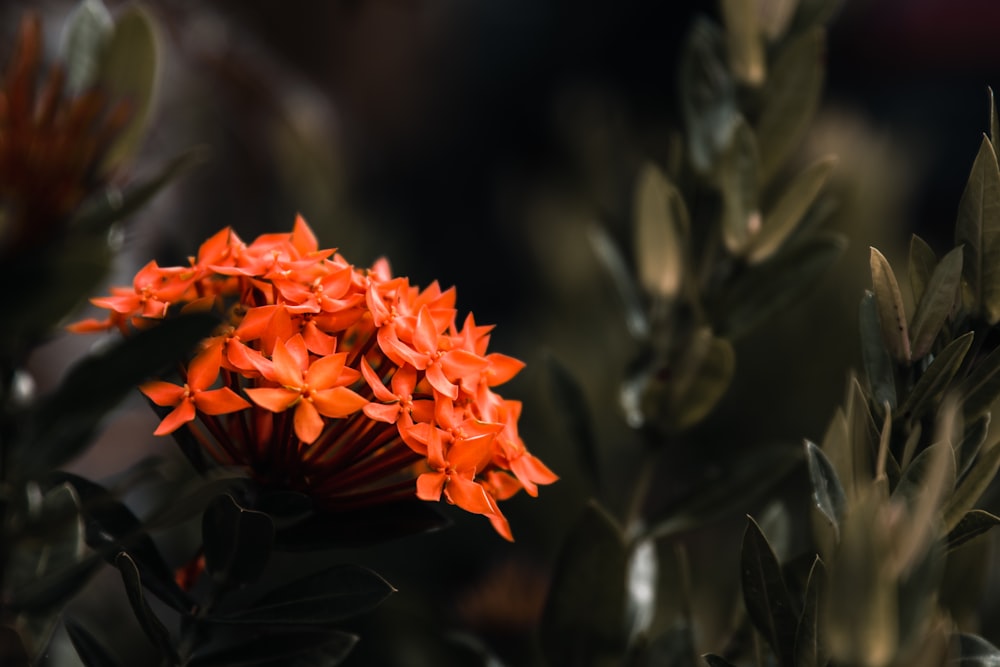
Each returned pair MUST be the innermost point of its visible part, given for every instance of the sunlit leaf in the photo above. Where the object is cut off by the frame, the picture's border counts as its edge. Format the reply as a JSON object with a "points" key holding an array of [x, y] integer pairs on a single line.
{"points": [[891, 313], [828, 493], [936, 303], [921, 266], [237, 542], [937, 377], [783, 218], [766, 596], [978, 231], [707, 94], [660, 220], [744, 42], [973, 524], [150, 623], [878, 365], [584, 615], [736, 177], [790, 99], [278, 646], [92, 652], [809, 650], [84, 40]]}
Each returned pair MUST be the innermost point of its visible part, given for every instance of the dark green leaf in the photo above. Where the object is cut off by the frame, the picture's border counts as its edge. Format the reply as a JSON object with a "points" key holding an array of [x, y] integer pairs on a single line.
{"points": [[891, 314], [151, 625], [91, 651], [63, 424], [937, 377], [809, 650], [979, 476], [361, 527], [973, 524], [571, 405], [879, 367], [937, 302], [972, 440], [767, 600], [922, 263], [915, 477], [237, 542], [736, 178], [828, 494], [611, 258], [790, 99], [744, 41], [715, 661], [322, 598], [278, 646], [982, 386], [994, 122], [978, 231], [584, 617], [707, 94], [770, 288], [974, 651], [814, 12], [12, 651], [85, 37], [661, 220]]}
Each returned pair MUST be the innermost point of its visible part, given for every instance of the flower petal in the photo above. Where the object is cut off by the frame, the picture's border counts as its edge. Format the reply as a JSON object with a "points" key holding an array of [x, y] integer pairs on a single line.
{"points": [[338, 402], [285, 369], [469, 495], [308, 423], [163, 393], [220, 401], [180, 415], [204, 369], [273, 399], [381, 392], [383, 412], [324, 372], [430, 485]]}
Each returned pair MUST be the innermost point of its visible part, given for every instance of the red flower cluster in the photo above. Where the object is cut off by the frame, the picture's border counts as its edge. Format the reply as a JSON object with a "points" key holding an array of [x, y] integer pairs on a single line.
{"points": [[341, 383]]}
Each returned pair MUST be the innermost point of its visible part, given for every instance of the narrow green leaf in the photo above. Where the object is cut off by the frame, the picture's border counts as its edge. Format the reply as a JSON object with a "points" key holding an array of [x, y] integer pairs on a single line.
{"points": [[278, 646], [571, 406], [660, 217], [915, 476], [744, 42], [736, 178], [936, 304], [767, 600], [584, 617], [237, 542], [994, 123], [982, 472], [971, 442], [784, 217], [85, 38], [828, 494], [880, 371], [892, 315], [707, 94], [973, 524], [921, 266], [974, 651], [978, 231], [322, 598], [92, 652], [937, 377], [610, 256], [982, 387], [791, 97], [809, 650], [151, 625]]}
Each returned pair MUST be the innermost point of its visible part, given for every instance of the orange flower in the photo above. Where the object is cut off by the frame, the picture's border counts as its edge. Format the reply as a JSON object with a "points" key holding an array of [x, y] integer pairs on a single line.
{"points": [[349, 385]]}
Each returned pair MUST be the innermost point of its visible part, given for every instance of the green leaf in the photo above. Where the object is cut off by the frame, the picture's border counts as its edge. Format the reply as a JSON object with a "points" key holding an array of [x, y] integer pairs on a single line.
{"points": [[707, 95], [278, 646], [610, 256], [151, 625], [973, 524], [768, 289], [321, 598], [571, 407], [744, 41], [237, 542], [790, 99], [736, 177], [713, 660], [809, 650], [85, 37], [982, 472], [978, 231], [129, 71], [982, 387], [891, 314], [994, 123], [767, 600], [584, 617], [362, 527], [914, 480], [879, 367], [775, 17], [699, 382], [660, 221], [784, 217], [972, 440], [12, 651], [63, 424], [937, 302], [937, 377], [828, 494], [974, 651], [922, 263], [92, 652]]}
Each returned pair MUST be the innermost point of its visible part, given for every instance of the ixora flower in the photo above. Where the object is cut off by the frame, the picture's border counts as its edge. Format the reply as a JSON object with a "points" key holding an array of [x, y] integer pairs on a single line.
{"points": [[349, 385], [51, 144]]}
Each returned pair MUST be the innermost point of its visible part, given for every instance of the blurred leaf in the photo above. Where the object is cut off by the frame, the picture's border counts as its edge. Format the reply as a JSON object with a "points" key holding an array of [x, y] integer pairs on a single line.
{"points": [[571, 407], [974, 651], [129, 72], [92, 652], [972, 440], [151, 625], [584, 617], [790, 98], [610, 256], [914, 481], [925, 484], [237, 542], [775, 16], [674, 646], [736, 176], [321, 598], [641, 577], [279, 647], [862, 434], [982, 386], [661, 220], [699, 382], [921, 266], [707, 94], [936, 303], [362, 527], [891, 314], [878, 365], [767, 290], [85, 37], [713, 660], [980, 474], [744, 42], [828, 494], [937, 377], [978, 231], [815, 12], [12, 651], [809, 650], [919, 591], [62, 425], [768, 602], [973, 524], [784, 217]]}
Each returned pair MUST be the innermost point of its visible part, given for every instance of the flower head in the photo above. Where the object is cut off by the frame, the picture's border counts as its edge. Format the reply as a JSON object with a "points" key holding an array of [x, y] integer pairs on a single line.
{"points": [[349, 385]]}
